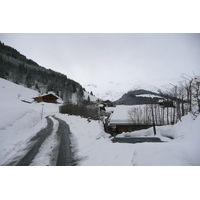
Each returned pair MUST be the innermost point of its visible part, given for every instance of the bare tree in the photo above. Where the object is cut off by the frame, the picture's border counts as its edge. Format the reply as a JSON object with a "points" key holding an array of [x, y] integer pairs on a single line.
{"points": [[188, 88], [196, 94]]}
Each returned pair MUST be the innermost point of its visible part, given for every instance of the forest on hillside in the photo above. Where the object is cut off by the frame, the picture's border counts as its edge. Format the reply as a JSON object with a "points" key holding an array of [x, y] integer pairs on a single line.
{"points": [[17, 68]]}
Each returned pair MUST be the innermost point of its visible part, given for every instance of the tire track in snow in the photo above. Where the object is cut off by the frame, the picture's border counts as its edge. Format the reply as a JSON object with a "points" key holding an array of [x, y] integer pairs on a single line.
{"points": [[48, 152], [52, 143], [40, 137], [65, 157]]}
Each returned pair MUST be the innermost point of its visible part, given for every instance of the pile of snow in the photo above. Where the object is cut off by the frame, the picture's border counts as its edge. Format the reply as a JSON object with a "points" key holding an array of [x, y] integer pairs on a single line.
{"points": [[182, 150]]}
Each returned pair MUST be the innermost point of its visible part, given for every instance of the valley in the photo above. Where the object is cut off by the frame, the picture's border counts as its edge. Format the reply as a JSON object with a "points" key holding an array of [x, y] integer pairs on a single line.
{"points": [[33, 133]]}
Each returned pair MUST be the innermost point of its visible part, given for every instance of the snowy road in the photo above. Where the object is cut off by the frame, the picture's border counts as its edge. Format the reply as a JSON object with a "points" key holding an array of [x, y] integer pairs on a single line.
{"points": [[39, 138], [64, 155], [57, 148]]}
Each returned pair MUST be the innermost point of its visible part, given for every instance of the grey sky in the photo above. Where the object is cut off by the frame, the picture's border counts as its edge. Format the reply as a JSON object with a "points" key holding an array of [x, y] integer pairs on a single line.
{"points": [[93, 58]]}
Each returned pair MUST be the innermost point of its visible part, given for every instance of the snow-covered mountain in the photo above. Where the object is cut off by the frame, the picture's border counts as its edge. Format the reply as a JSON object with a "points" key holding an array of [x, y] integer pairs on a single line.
{"points": [[114, 90]]}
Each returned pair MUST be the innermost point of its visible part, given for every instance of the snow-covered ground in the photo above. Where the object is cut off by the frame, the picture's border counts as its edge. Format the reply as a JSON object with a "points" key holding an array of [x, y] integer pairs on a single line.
{"points": [[182, 150], [95, 148], [20, 121]]}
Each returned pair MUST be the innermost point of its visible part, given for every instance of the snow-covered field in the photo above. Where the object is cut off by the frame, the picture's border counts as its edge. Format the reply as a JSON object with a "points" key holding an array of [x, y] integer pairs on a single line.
{"points": [[19, 121]]}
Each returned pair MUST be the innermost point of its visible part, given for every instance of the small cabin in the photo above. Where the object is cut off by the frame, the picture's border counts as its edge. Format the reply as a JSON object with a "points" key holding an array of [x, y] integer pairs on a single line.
{"points": [[49, 98]]}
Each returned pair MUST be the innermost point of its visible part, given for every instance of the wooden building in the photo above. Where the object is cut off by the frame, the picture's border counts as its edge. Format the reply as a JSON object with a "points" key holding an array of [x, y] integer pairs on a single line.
{"points": [[120, 120], [126, 127], [128, 118], [49, 98]]}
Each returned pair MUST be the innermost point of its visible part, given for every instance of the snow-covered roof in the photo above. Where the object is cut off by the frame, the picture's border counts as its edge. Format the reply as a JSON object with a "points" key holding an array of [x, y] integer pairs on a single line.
{"points": [[120, 114], [50, 94]]}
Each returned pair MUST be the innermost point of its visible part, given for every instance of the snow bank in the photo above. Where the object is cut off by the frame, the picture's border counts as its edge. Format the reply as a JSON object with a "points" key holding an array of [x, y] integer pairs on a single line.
{"points": [[12, 108], [15, 137], [19, 121], [183, 150], [93, 146]]}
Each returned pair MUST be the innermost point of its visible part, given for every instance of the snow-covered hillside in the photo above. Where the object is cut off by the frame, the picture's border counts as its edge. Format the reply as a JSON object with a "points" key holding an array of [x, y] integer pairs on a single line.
{"points": [[92, 98], [19, 120]]}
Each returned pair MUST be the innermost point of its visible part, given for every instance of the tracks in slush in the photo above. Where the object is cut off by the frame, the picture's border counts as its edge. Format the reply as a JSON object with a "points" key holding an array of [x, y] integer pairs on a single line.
{"points": [[62, 153], [65, 154]]}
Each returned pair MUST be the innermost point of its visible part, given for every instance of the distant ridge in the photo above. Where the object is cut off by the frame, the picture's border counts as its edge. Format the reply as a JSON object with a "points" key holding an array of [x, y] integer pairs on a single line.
{"points": [[114, 90], [138, 97]]}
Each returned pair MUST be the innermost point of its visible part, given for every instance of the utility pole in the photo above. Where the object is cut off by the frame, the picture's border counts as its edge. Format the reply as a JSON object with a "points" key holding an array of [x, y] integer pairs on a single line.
{"points": [[175, 86], [154, 127], [167, 109]]}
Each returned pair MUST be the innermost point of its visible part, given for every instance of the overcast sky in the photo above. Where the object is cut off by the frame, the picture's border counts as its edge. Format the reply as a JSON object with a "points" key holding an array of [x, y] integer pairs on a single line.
{"points": [[93, 58]]}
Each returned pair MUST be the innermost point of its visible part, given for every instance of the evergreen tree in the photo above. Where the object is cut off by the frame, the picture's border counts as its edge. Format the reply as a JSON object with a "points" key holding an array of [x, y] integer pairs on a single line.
{"points": [[88, 99]]}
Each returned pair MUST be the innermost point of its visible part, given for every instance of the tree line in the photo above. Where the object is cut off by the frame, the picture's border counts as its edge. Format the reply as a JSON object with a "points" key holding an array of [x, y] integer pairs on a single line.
{"points": [[180, 100], [187, 95], [152, 114], [20, 70]]}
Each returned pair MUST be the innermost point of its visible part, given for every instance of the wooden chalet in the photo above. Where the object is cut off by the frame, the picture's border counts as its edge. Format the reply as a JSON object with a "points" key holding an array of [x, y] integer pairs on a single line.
{"points": [[49, 98]]}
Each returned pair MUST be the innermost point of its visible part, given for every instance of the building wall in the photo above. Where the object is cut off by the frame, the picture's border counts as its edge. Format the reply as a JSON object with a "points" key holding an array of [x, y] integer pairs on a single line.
{"points": [[38, 99], [48, 99], [130, 128]]}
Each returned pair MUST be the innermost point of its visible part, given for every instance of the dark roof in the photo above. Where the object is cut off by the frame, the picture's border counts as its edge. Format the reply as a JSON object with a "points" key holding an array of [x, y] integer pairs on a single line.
{"points": [[48, 95]]}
